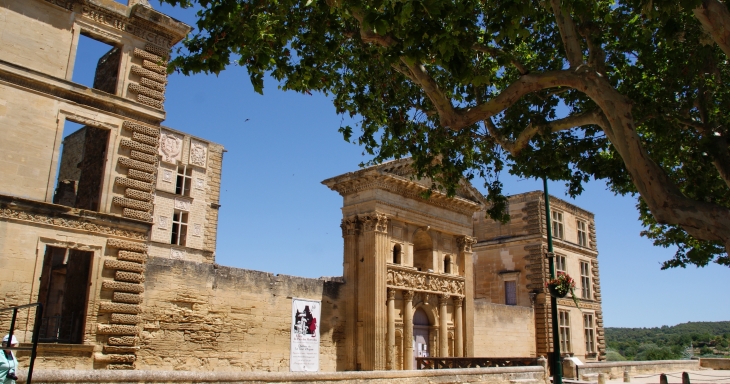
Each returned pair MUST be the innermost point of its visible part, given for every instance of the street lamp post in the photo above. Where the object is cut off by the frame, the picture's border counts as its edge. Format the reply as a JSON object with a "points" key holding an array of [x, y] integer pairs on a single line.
{"points": [[557, 361]]}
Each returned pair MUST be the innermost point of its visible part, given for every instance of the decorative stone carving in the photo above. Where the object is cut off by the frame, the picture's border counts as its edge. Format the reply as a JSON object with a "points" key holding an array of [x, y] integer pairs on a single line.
{"points": [[170, 147], [198, 153], [126, 245], [408, 295], [465, 243], [458, 301], [391, 294], [349, 226], [444, 299], [124, 266], [163, 222], [424, 282], [167, 175], [103, 16], [197, 230], [377, 222], [177, 254], [199, 183], [182, 204], [9, 213]]}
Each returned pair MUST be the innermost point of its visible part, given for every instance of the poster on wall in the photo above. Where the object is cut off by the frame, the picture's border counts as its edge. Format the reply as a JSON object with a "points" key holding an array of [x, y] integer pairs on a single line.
{"points": [[304, 355]]}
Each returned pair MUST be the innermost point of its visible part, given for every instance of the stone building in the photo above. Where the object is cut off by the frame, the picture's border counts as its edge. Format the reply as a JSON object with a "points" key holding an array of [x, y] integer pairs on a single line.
{"points": [[109, 219]]}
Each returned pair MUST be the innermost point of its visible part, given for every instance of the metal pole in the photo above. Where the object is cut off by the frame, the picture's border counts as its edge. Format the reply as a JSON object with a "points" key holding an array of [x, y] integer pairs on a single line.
{"points": [[557, 361], [36, 332]]}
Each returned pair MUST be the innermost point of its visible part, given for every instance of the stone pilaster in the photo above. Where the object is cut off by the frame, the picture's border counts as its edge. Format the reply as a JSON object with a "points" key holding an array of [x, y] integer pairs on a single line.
{"points": [[372, 296], [408, 330], [465, 254], [349, 233], [458, 327], [443, 326]]}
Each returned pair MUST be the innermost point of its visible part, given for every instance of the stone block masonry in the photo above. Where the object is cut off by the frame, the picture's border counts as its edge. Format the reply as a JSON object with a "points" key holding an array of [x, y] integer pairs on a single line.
{"points": [[205, 317]]}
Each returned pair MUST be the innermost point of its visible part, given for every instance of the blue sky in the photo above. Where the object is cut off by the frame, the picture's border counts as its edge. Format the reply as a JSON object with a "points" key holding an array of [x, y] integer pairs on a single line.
{"points": [[277, 217]]}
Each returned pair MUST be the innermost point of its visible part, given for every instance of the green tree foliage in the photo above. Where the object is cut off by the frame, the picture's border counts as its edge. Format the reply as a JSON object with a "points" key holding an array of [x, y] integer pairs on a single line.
{"points": [[470, 87], [665, 343]]}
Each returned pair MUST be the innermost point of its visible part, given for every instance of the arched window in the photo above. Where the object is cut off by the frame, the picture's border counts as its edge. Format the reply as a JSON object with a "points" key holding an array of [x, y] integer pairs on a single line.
{"points": [[423, 251], [396, 254], [447, 264], [420, 317]]}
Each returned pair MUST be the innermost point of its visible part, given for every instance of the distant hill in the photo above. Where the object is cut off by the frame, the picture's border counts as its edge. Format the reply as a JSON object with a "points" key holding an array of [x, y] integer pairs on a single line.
{"points": [[662, 343]]}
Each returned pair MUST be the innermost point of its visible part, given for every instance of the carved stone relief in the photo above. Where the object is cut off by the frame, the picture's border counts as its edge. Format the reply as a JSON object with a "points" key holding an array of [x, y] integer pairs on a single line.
{"points": [[178, 254], [200, 184], [421, 281], [198, 153], [465, 243], [167, 175], [163, 223], [197, 230], [170, 149], [182, 204]]}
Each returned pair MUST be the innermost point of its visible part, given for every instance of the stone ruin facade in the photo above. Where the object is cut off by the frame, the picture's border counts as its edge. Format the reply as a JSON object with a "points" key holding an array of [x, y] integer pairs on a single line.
{"points": [[113, 228]]}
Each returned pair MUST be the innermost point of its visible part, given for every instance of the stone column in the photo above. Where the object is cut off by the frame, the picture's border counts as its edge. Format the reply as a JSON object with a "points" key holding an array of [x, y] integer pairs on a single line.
{"points": [[443, 326], [408, 330], [371, 300], [391, 329], [458, 328], [465, 255], [349, 264]]}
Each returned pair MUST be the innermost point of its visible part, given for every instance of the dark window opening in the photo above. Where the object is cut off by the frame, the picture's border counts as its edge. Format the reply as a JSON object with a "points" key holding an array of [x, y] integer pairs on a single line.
{"points": [[64, 293], [179, 228], [423, 251], [396, 254], [447, 264], [184, 180], [97, 64], [81, 168], [510, 292]]}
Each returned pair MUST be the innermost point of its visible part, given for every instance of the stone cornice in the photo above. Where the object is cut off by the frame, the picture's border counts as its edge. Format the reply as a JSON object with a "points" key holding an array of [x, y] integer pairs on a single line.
{"points": [[144, 22], [373, 179], [42, 213], [558, 243]]}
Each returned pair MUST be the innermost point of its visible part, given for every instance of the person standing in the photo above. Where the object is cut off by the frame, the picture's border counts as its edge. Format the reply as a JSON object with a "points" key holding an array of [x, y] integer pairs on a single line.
{"points": [[8, 362]]}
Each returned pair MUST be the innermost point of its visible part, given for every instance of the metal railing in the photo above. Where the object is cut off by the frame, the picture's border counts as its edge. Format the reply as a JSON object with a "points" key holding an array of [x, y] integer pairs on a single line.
{"points": [[58, 329], [474, 362], [36, 331]]}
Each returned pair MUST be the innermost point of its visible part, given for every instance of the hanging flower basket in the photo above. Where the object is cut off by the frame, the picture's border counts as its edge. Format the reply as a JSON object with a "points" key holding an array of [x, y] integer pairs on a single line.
{"points": [[561, 286]]}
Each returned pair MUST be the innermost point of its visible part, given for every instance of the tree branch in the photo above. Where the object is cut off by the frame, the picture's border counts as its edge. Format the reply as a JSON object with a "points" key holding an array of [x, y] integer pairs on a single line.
{"points": [[715, 19], [447, 114], [498, 52], [568, 34]]}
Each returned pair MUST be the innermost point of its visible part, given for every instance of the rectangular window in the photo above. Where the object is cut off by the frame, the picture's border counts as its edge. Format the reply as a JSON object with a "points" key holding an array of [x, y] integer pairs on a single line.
{"points": [[564, 327], [590, 333], [582, 234], [97, 64], [63, 291], [557, 224], [179, 228], [184, 180], [585, 279], [81, 166], [510, 292], [560, 263]]}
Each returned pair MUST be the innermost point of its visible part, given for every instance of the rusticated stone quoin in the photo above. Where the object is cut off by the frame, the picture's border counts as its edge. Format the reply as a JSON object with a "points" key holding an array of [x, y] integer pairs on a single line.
{"points": [[102, 358], [136, 214], [136, 257], [136, 164], [143, 129], [120, 308], [131, 298], [121, 286], [116, 329], [145, 139], [141, 176], [138, 195], [117, 349], [136, 184], [141, 156], [138, 146], [131, 203], [129, 277], [120, 318], [126, 245], [148, 56], [124, 266], [122, 341]]}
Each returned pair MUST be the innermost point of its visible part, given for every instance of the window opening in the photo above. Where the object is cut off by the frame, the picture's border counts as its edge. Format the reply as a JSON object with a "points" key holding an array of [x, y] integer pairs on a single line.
{"points": [[560, 263], [510, 292], [179, 228], [64, 293], [80, 175], [184, 180], [447, 264], [97, 64], [423, 251], [396, 254], [582, 234], [585, 280], [589, 333], [564, 326], [557, 224]]}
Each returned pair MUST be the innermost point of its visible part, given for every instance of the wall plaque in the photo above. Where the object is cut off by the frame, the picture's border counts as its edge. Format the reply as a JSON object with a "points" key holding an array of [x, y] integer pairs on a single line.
{"points": [[171, 145]]}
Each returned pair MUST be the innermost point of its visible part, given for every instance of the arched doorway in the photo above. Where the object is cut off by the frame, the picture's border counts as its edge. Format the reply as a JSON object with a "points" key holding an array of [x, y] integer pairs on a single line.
{"points": [[421, 325], [422, 251]]}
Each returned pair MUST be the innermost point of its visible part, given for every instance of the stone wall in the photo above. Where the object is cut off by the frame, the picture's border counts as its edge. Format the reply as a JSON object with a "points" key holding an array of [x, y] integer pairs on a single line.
{"points": [[502, 375], [206, 317], [715, 363], [615, 370], [503, 330]]}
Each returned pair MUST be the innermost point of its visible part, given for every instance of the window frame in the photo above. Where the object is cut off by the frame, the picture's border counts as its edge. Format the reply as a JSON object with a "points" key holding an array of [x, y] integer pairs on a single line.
{"points": [[184, 180], [561, 263], [507, 297], [589, 333], [564, 331], [585, 279], [582, 229], [179, 228], [558, 226]]}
